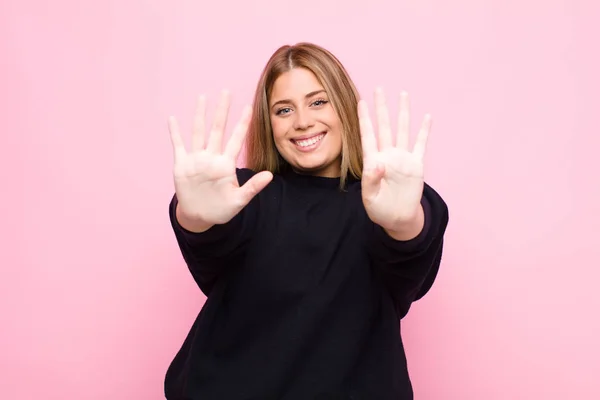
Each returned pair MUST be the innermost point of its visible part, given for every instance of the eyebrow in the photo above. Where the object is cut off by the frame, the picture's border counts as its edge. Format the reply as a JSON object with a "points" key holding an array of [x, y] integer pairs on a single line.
{"points": [[311, 94]]}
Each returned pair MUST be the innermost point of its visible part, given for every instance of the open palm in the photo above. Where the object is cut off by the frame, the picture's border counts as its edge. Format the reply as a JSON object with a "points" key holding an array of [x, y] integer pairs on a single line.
{"points": [[205, 178], [393, 177]]}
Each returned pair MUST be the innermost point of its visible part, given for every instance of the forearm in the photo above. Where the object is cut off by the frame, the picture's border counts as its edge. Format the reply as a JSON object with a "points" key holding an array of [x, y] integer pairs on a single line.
{"points": [[209, 250], [408, 257]]}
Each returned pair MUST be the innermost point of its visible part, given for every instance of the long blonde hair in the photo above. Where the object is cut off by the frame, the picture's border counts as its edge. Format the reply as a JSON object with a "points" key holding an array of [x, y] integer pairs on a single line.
{"points": [[261, 153]]}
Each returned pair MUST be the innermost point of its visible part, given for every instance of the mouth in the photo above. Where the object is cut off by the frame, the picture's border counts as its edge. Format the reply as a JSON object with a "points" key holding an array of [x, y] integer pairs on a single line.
{"points": [[310, 142]]}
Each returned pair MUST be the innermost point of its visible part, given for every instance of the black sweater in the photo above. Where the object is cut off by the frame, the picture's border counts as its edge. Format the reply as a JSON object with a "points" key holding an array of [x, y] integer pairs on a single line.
{"points": [[304, 297]]}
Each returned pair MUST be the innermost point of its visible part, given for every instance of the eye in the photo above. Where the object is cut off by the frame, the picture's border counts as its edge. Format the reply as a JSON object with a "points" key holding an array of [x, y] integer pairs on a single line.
{"points": [[283, 111], [319, 102]]}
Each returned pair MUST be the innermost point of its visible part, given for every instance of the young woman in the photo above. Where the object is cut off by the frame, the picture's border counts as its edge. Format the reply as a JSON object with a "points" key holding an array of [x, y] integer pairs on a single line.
{"points": [[312, 255]]}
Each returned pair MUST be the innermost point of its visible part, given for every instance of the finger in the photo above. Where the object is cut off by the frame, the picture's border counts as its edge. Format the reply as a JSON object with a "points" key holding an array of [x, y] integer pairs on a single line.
{"points": [[234, 145], [422, 137], [383, 120], [369, 143], [218, 128], [176, 140], [199, 128], [253, 186], [403, 136]]}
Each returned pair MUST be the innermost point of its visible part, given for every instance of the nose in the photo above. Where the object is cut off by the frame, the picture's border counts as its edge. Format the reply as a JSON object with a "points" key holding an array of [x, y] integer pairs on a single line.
{"points": [[303, 120]]}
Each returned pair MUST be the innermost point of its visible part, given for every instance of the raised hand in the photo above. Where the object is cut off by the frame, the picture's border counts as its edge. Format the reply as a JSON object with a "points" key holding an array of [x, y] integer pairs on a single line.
{"points": [[393, 180], [205, 178]]}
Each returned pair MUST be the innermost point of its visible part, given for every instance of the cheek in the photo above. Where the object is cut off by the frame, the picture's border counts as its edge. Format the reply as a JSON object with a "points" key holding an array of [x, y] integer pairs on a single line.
{"points": [[279, 130], [335, 124], [332, 119]]}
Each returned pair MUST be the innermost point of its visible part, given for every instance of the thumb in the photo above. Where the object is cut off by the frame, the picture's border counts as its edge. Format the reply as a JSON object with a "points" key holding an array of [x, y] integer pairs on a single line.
{"points": [[371, 179], [254, 185]]}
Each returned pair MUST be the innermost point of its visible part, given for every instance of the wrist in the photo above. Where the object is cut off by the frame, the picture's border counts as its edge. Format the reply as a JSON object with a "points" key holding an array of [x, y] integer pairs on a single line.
{"points": [[408, 229], [195, 225]]}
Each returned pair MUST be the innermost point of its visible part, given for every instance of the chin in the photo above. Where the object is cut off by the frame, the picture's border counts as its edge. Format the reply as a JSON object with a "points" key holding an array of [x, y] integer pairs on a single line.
{"points": [[324, 168]]}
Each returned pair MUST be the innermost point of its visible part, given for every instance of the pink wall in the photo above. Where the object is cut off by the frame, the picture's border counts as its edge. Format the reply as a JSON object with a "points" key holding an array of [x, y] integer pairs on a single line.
{"points": [[95, 298]]}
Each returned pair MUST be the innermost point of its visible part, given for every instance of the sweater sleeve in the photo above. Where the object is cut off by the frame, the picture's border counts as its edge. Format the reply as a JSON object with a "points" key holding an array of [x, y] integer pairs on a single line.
{"points": [[409, 268], [209, 254]]}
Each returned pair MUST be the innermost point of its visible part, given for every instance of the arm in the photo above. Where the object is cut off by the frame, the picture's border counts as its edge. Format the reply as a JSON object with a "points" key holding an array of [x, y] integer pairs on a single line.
{"points": [[409, 267], [208, 252]]}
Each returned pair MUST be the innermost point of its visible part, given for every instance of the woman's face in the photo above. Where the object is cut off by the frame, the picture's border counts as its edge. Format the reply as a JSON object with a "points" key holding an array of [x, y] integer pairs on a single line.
{"points": [[306, 128]]}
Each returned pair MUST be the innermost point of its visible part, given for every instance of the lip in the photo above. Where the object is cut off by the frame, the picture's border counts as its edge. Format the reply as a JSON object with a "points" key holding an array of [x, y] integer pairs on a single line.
{"points": [[304, 137], [312, 147]]}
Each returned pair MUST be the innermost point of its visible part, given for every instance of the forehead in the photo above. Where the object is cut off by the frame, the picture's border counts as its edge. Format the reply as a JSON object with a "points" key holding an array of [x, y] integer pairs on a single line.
{"points": [[296, 83]]}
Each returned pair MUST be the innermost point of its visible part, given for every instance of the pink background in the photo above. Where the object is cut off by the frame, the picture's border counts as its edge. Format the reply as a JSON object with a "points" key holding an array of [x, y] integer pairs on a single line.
{"points": [[95, 298]]}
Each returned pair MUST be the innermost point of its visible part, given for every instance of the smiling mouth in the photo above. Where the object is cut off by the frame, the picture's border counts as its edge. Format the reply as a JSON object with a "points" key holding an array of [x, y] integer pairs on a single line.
{"points": [[309, 141]]}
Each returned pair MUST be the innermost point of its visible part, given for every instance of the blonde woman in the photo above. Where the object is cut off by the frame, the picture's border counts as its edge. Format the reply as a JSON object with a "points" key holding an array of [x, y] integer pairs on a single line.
{"points": [[311, 256]]}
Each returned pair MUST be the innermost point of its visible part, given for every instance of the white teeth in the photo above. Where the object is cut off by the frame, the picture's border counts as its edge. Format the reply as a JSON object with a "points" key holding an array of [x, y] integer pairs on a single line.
{"points": [[308, 142]]}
